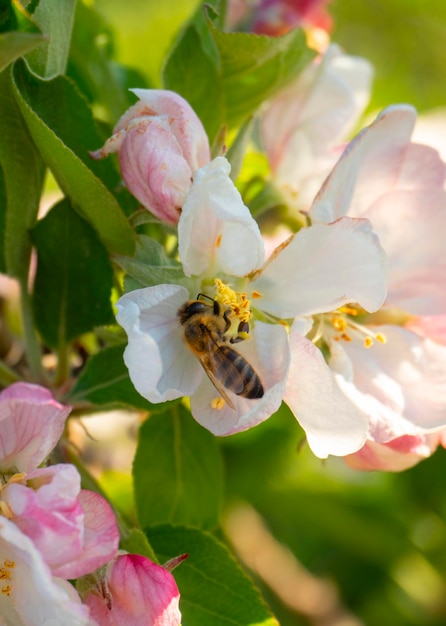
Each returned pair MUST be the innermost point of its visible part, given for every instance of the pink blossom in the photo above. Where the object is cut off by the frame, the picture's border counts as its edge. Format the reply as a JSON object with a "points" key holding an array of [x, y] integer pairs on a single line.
{"points": [[74, 530], [31, 423], [277, 17], [399, 383], [135, 592], [161, 143], [30, 596]]}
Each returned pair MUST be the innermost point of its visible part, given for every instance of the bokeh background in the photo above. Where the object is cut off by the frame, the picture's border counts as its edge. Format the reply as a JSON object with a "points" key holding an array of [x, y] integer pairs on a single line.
{"points": [[328, 546]]}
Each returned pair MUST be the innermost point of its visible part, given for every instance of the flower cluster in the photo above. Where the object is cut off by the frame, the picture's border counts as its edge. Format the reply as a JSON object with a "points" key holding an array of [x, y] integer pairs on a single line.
{"points": [[323, 323], [52, 531]]}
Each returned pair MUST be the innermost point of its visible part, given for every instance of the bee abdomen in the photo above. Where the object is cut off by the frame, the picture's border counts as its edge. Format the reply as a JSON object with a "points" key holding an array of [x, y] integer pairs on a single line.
{"points": [[243, 380]]}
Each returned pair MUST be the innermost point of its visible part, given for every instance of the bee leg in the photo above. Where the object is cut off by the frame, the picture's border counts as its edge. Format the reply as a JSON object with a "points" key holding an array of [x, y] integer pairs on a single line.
{"points": [[226, 315], [242, 333]]}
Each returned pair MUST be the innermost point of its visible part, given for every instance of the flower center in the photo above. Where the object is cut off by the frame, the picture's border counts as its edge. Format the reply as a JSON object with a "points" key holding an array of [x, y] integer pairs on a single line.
{"points": [[238, 303], [346, 328]]}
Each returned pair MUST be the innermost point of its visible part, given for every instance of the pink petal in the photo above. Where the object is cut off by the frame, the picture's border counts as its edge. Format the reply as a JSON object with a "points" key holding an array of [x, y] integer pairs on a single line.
{"points": [[322, 268], [100, 537], [216, 231], [139, 593], [395, 456], [400, 386], [333, 425], [267, 352], [31, 425], [183, 121], [369, 167], [411, 226], [154, 168], [432, 326]]}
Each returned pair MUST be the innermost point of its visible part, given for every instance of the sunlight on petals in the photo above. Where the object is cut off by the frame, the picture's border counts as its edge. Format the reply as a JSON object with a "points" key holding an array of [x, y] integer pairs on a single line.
{"points": [[216, 230], [333, 425], [324, 267]]}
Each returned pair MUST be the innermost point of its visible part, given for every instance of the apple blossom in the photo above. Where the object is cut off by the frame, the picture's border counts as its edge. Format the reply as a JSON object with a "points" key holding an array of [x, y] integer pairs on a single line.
{"points": [[320, 269], [161, 143], [30, 596], [74, 530], [305, 126], [134, 591], [400, 384]]}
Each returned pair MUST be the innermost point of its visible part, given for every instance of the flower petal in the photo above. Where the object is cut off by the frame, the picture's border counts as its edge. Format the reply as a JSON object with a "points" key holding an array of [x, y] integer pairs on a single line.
{"points": [[216, 231], [304, 125], [160, 365], [267, 352], [29, 594], [333, 425], [400, 386], [139, 593], [184, 123], [413, 221], [395, 456], [369, 166], [322, 268], [31, 425]]}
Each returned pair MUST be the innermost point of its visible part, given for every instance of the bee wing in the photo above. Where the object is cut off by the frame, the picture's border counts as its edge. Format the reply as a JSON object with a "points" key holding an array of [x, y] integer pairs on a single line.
{"points": [[217, 366]]}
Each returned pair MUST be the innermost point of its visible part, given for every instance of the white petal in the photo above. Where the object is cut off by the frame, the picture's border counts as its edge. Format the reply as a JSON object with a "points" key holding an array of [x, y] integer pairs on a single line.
{"points": [[400, 386], [369, 166], [333, 425], [33, 597], [267, 351], [322, 268], [306, 122], [160, 365], [216, 231]]}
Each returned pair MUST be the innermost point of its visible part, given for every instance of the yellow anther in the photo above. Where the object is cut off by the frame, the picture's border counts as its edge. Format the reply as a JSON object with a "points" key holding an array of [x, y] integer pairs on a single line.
{"points": [[235, 300], [381, 338], [218, 403], [256, 294], [9, 564], [368, 342], [5, 510], [339, 323], [218, 242], [6, 591]]}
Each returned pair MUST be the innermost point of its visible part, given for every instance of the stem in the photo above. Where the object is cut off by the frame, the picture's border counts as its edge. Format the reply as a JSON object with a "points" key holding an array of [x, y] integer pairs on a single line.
{"points": [[62, 364], [32, 345], [7, 375]]}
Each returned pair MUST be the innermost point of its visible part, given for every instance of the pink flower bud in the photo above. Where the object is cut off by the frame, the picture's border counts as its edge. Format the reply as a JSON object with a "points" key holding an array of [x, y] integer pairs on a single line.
{"points": [[135, 592], [160, 142]]}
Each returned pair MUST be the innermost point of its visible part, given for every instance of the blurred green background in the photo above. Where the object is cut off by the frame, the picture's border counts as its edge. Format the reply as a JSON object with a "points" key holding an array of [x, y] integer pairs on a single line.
{"points": [[379, 538]]}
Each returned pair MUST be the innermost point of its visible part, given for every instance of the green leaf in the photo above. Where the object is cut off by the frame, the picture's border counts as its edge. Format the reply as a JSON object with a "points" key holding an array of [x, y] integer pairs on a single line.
{"points": [[234, 71], [214, 589], [105, 381], [137, 543], [62, 127], [91, 64], [55, 19], [74, 277], [177, 472], [22, 173], [15, 44], [151, 266]]}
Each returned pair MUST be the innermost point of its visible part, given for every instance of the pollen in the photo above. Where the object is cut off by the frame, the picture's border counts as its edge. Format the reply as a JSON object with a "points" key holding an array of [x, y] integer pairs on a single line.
{"points": [[238, 302], [5, 575], [218, 241], [218, 403]]}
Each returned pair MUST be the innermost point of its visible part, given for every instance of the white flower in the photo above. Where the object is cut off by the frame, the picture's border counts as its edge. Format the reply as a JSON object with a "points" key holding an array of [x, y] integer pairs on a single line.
{"points": [[321, 268]]}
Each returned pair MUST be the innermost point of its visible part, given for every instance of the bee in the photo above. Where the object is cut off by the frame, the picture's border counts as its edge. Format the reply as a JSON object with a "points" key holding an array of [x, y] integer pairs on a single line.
{"points": [[206, 336]]}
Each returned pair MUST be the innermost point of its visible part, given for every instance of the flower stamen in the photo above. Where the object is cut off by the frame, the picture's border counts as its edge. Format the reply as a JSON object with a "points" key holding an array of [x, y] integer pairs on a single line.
{"points": [[346, 328]]}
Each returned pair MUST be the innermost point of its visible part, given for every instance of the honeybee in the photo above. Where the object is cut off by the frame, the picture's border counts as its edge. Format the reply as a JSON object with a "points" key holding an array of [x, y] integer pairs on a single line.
{"points": [[205, 334]]}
